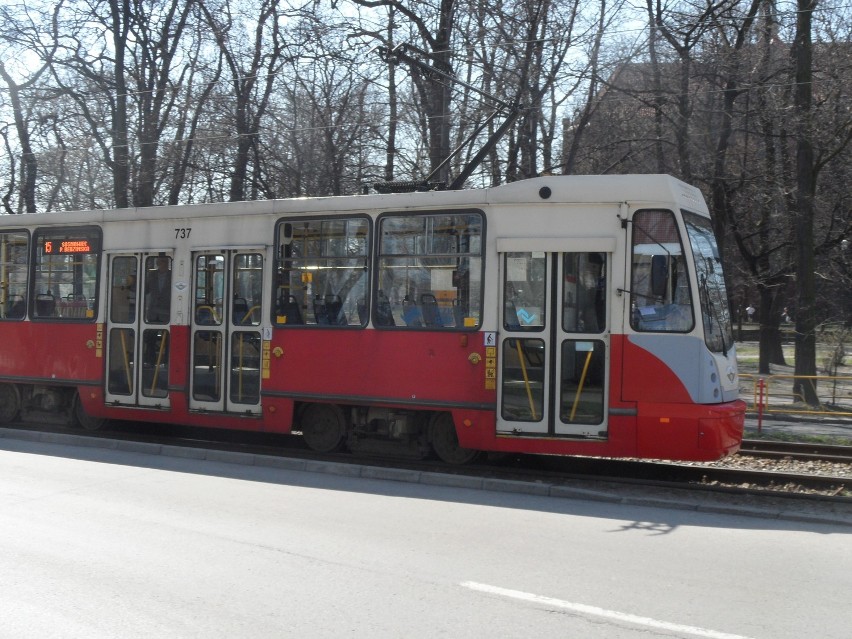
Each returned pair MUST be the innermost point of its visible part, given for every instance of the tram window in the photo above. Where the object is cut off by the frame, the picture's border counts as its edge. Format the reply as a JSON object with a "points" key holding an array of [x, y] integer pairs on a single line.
{"points": [[524, 291], [246, 289], [209, 289], [14, 257], [323, 272], [158, 289], [584, 293], [430, 271], [659, 292], [711, 283], [65, 273], [523, 380], [123, 290], [583, 382]]}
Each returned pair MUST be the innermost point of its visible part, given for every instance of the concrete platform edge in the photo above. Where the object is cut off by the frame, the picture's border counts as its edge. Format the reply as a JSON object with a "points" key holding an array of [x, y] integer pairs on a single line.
{"points": [[536, 488]]}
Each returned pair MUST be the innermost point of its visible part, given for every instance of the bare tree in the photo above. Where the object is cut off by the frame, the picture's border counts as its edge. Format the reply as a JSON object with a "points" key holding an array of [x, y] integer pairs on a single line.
{"points": [[91, 72], [806, 177], [200, 83], [11, 184], [29, 164], [326, 139], [684, 33], [587, 106], [253, 57], [157, 42], [434, 89], [20, 31]]}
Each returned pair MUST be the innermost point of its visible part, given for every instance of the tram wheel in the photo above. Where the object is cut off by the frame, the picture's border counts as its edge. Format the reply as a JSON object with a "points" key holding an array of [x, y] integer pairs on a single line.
{"points": [[10, 403], [323, 427], [83, 419], [445, 441]]}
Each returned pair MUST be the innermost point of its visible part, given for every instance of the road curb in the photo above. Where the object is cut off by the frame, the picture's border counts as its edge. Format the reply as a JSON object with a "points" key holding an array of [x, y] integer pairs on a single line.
{"points": [[518, 487]]}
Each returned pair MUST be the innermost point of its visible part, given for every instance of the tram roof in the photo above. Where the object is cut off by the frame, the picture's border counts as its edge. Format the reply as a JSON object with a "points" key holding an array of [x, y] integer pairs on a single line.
{"points": [[556, 189]]}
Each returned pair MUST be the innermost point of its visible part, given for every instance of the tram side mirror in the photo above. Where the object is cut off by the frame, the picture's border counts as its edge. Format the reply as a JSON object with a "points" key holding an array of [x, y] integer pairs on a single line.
{"points": [[659, 274]]}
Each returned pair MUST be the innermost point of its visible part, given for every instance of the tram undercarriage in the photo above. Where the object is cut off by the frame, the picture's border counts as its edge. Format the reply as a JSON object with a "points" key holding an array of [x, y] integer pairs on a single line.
{"points": [[382, 431]]}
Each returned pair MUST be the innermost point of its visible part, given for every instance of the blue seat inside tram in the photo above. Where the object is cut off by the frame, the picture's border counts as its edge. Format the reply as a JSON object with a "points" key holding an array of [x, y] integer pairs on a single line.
{"points": [[205, 315], [384, 312], [240, 311], [329, 310], [16, 307], [430, 311], [45, 305], [411, 313]]}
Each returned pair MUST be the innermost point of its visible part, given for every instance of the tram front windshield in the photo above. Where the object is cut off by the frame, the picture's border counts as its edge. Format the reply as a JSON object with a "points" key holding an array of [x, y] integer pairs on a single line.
{"points": [[715, 313]]}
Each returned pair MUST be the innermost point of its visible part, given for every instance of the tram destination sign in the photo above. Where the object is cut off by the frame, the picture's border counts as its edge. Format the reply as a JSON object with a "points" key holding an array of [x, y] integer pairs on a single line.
{"points": [[69, 246]]}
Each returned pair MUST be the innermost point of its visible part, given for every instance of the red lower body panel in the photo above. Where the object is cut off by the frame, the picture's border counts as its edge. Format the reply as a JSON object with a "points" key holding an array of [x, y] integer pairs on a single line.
{"points": [[423, 371]]}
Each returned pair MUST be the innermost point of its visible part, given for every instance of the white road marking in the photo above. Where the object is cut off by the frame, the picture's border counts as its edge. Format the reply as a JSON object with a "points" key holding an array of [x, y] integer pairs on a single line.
{"points": [[613, 615]]}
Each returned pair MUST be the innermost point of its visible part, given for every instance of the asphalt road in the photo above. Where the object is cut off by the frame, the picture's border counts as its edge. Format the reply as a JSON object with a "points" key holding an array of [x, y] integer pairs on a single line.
{"points": [[105, 543]]}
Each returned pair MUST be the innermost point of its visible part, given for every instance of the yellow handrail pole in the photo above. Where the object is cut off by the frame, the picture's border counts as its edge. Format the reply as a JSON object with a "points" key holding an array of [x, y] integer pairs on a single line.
{"points": [[126, 360], [159, 361], [213, 314], [249, 313], [580, 386], [526, 378], [218, 363], [240, 385]]}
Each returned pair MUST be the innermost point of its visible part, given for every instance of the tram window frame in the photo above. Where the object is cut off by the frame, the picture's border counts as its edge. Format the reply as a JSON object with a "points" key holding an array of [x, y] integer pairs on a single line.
{"points": [[712, 293], [453, 299], [525, 278], [14, 295], [298, 301], [672, 309], [73, 299]]}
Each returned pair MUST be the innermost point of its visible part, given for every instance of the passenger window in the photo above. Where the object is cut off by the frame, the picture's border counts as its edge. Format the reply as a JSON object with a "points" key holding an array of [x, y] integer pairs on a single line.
{"points": [[209, 289], [323, 272], [14, 262], [660, 298], [430, 271], [65, 273], [158, 289], [246, 289], [122, 305], [584, 292], [525, 279]]}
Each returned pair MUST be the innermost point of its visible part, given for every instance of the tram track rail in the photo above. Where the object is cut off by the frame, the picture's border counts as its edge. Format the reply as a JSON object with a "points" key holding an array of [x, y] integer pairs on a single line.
{"points": [[796, 450], [682, 476], [713, 476]]}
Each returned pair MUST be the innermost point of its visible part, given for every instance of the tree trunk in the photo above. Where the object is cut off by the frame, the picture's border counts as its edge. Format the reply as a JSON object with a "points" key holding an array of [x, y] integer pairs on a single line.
{"points": [[29, 163], [771, 348], [390, 152], [121, 152], [804, 314], [440, 93]]}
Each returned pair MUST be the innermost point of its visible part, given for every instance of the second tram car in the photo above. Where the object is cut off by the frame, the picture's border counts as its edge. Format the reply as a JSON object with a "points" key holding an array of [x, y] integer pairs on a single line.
{"points": [[571, 315]]}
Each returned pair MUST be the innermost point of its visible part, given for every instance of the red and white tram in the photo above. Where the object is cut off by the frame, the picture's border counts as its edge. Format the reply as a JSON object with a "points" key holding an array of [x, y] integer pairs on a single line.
{"points": [[575, 315]]}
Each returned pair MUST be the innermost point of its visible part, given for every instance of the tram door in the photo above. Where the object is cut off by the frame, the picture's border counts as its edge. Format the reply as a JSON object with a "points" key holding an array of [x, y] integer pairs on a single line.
{"points": [[554, 342], [138, 329], [225, 349]]}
